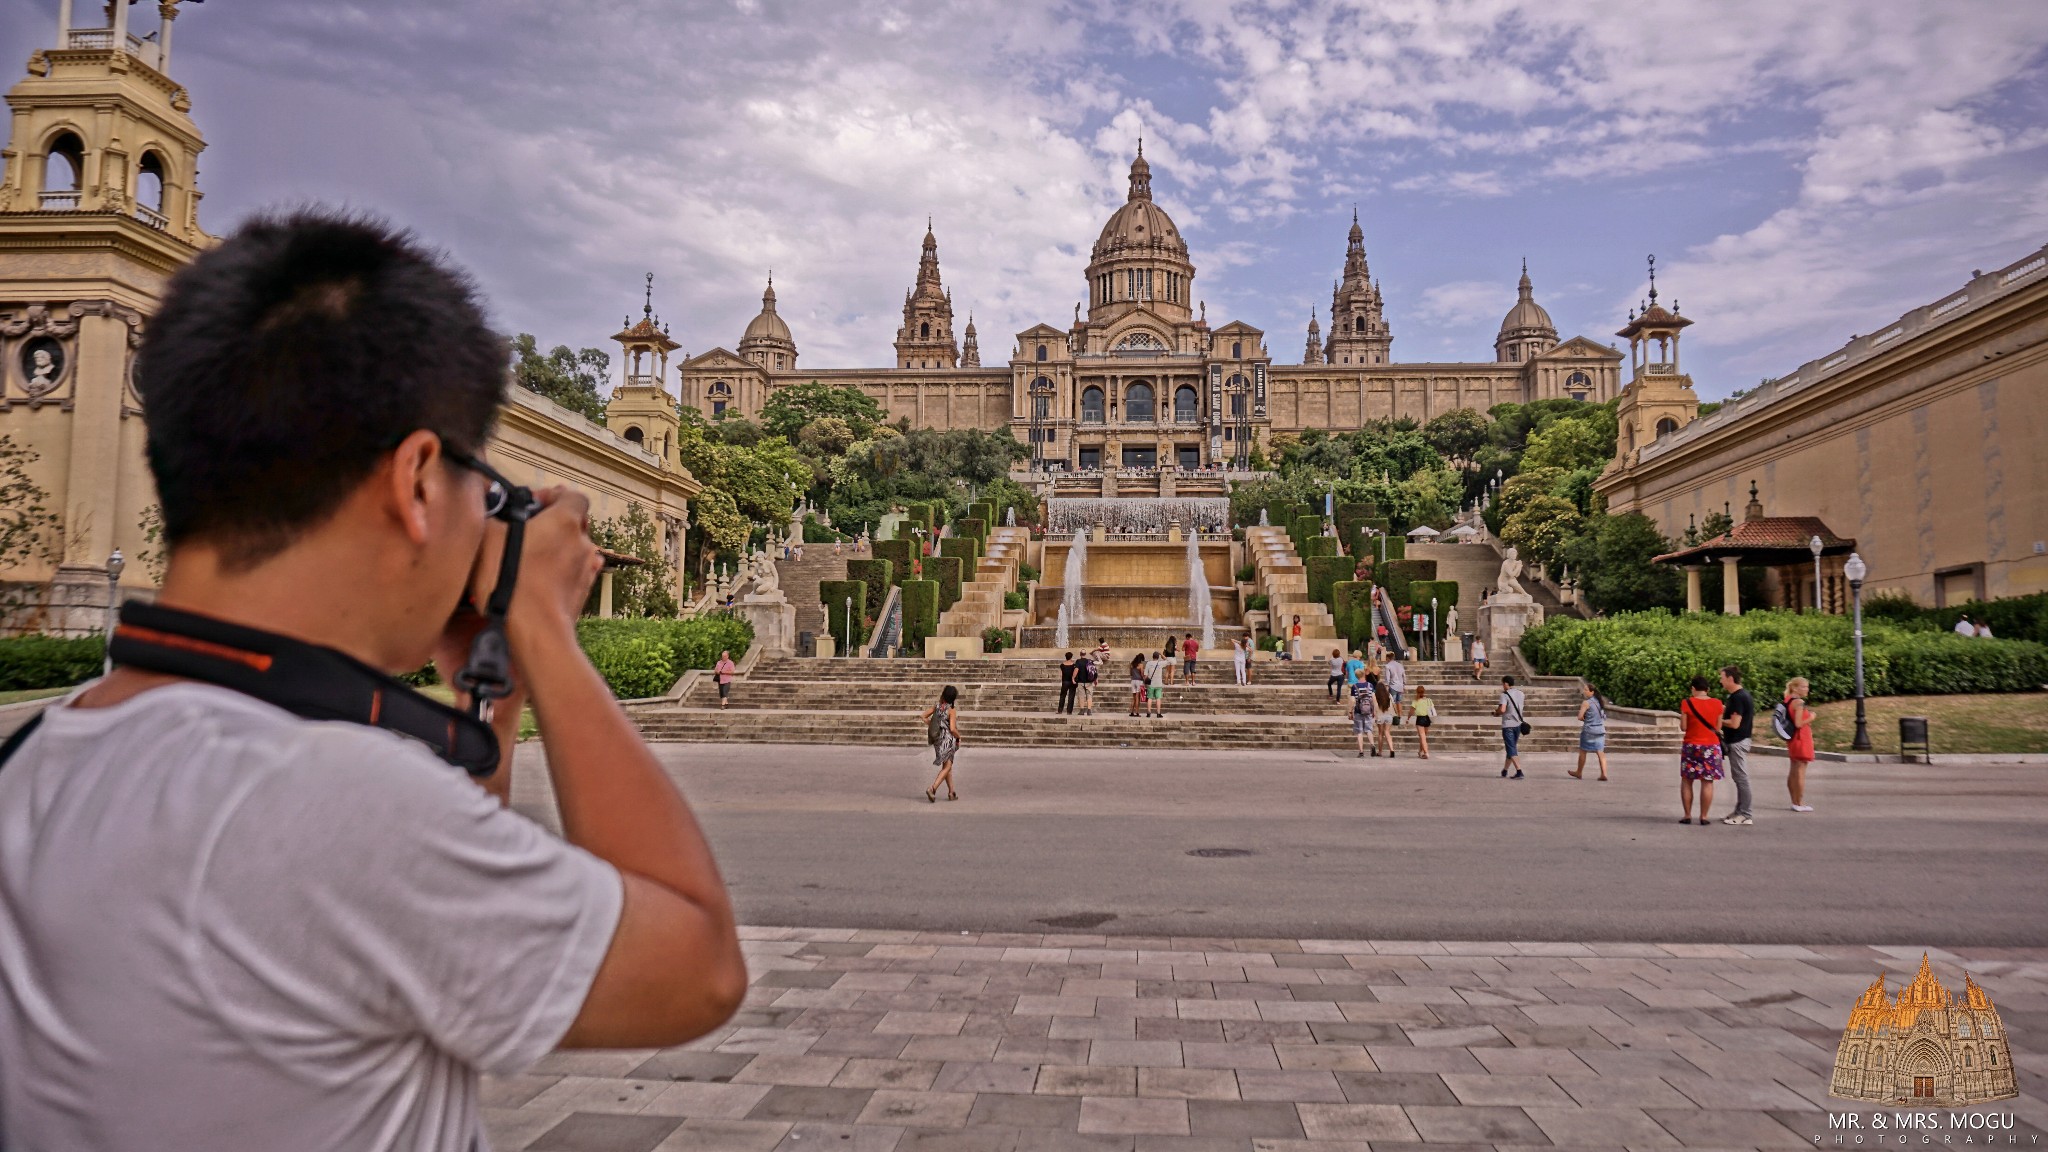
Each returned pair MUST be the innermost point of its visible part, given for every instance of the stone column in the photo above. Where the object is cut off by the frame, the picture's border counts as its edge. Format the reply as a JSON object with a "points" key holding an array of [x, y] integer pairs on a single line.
{"points": [[1731, 589], [1692, 588], [604, 594]]}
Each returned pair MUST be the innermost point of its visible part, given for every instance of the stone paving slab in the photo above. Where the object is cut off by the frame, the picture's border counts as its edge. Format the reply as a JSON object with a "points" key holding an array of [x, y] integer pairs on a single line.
{"points": [[903, 1041]]}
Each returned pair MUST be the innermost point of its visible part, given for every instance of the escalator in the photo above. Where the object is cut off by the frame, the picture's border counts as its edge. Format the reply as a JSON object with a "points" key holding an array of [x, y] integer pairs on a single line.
{"points": [[1383, 614]]}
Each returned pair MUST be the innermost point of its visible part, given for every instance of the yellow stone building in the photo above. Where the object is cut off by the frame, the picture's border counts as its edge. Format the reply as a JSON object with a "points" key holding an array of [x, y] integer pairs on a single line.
{"points": [[1925, 441], [1139, 378], [98, 208], [1925, 1047]]}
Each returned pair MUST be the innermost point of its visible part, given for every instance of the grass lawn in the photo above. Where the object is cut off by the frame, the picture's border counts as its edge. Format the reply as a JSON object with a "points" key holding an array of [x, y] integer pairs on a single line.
{"points": [[2001, 722], [17, 696]]}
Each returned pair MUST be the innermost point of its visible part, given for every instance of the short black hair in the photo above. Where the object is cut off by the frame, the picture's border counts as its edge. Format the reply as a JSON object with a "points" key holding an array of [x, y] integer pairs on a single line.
{"points": [[1508, 680], [1733, 672], [1700, 684], [287, 361]]}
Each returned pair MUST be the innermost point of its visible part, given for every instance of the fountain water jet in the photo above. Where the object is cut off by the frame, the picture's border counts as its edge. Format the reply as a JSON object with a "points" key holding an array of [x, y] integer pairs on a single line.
{"points": [[1070, 592], [1199, 604]]}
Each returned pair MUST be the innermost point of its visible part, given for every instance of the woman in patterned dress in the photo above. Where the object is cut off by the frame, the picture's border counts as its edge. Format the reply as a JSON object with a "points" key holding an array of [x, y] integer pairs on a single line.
{"points": [[946, 745], [1699, 758]]}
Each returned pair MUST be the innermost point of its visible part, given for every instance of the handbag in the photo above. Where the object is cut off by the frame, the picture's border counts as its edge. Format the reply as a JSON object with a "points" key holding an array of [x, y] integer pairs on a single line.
{"points": [[1521, 725]]}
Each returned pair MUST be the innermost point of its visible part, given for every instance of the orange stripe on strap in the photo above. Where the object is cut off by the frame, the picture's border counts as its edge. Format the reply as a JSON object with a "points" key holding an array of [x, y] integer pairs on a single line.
{"points": [[255, 660]]}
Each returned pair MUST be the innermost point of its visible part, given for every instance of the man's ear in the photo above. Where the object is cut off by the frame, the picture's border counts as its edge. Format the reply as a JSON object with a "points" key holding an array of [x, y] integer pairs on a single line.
{"points": [[414, 482]]}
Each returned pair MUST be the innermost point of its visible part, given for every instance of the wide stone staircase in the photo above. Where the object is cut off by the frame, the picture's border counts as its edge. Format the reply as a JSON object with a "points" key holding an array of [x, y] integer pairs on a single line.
{"points": [[1281, 575], [981, 597], [800, 580], [1010, 702]]}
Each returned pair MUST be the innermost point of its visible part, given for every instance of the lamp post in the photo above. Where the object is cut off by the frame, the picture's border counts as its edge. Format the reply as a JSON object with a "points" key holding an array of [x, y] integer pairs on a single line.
{"points": [[1814, 546], [114, 566], [849, 625], [1854, 569], [1436, 644]]}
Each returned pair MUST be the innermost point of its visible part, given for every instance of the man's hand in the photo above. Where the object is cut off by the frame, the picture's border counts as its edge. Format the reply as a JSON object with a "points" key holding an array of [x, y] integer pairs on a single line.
{"points": [[556, 567]]}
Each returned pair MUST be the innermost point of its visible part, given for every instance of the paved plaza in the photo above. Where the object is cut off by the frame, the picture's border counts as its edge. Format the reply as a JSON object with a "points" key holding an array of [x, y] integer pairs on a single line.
{"points": [[1549, 964]]}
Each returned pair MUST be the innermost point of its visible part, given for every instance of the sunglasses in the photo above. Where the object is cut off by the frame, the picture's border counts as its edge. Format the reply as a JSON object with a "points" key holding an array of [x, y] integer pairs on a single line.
{"points": [[497, 497]]}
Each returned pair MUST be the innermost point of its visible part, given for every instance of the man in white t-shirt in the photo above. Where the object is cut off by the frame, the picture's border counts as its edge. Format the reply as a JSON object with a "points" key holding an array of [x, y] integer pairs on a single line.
{"points": [[1511, 711], [1964, 627], [226, 927]]}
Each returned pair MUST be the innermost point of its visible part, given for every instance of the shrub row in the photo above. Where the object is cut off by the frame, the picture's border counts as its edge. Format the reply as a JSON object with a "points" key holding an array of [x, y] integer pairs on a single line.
{"points": [[946, 571], [1399, 577], [835, 594], [920, 612], [1323, 574], [897, 553], [645, 657], [1645, 659], [878, 575], [2011, 617], [49, 662]]}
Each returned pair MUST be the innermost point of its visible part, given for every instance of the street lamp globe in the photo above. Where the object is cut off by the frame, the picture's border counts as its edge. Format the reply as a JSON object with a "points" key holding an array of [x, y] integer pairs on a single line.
{"points": [[115, 563], [1854, 568], [1814, 546]]}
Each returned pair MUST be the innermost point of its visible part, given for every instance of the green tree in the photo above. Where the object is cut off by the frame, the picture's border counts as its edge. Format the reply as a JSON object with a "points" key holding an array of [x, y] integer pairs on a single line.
{"points": [[647, 589], [1542, 528], [28, 529], [569, 377], [826, 437], [719, 519], [1568, 445], [1457, 434], [1432, 497], [794, 406], [1613, 562]]}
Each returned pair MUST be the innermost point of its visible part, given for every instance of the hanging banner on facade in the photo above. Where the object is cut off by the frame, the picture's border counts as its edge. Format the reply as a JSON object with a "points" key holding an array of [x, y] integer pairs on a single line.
{"points": [[1216, 402], [1259, 390]]}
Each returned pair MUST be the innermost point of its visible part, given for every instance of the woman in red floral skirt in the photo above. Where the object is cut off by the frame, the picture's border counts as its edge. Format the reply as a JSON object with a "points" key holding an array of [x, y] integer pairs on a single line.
{"points": [[1700, 756]]}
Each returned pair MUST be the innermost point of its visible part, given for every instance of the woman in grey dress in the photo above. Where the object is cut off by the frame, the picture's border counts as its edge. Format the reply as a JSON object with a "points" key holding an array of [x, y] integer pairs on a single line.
{"points": [[942, 724]]}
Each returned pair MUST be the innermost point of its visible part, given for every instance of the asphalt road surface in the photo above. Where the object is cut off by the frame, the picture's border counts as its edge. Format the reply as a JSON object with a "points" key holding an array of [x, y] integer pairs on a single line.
{"points": [[1313, 845]]}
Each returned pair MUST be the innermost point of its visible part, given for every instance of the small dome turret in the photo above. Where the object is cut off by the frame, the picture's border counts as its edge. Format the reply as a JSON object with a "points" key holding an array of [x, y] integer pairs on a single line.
{"points": [[767, 341]]}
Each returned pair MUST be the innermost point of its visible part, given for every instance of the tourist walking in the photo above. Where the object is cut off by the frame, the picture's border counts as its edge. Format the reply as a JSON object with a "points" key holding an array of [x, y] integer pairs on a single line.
{"points": [[1699, 758], [1336, 681], [1157, 673], [1424, 710], [722, 672], [1362, 722], [1294, 640], [1240, 659], [942, 732], [1190, 650], [1382, 713], [1738, 721], [1592, 731], [1478, 659], [1795, 723], [1068, 683], [1512, 726], [1141, 675], [1395, 677], [1086, 671]]}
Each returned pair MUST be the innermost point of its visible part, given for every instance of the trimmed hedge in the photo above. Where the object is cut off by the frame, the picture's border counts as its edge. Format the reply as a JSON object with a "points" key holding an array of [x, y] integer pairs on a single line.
{"points": [[967, 548], [1399, 577], [982, 510], [878, 575], [1445, 592], [49, 662], [1353, 599], [1644, 659], [644, 657], [897, 553], [1302, 529], [1319, 546], [920, 516], [1352, 517], [1323, 574], [972, 528], [834, 593], [945, 570], [920, 613]]}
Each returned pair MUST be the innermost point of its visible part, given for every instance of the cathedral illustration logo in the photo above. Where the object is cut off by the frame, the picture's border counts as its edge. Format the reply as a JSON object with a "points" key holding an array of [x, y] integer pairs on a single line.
{"points": [[1927, 1046]]}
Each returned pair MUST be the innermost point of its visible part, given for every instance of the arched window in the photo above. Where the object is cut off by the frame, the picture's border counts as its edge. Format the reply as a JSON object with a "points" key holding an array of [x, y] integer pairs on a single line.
{"points": [[1041, 352], [1091, 405], [1666, 425], [1185, 405], [149, 190], [1138, 402], [635, 436], [924, 331], [63, 171], [1237, 349], [1358, 325]]}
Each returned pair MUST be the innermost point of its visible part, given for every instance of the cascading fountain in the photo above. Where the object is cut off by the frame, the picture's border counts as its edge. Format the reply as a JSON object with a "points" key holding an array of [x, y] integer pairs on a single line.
{"points": [[1199, 605], [1262, 519], [1070, 592]]}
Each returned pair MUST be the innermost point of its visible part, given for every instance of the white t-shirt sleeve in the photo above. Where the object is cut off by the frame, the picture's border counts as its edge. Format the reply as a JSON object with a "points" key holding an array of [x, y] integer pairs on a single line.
{"points": [[370, 888]]}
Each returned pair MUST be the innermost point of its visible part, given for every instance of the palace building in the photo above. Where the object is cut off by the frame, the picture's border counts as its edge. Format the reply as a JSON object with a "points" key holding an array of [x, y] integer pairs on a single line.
{"points": [[1140, 379], [1926, 1047]]}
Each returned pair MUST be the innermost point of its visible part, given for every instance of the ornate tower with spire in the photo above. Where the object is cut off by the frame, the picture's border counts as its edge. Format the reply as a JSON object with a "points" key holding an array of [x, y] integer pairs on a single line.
{"points": [[1140, 260], [767, 341], [642, 410], [926, 338], [1526, 331], [1313, 354], [1358, 327], [99, 206], [1659, 398], [970, 348]]}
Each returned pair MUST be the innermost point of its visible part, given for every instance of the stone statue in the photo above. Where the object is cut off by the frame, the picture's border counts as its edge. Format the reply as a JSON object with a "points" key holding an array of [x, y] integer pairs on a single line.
{"points": [[1510, 582], [1451, 621], [42, 371]]}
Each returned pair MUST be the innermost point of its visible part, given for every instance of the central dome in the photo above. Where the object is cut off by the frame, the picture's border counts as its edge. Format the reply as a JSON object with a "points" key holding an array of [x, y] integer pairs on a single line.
{"points": [[1140, 222], [1140, 259]]}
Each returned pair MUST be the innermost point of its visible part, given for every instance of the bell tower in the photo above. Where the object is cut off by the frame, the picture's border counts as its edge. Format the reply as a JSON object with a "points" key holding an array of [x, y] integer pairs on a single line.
{"points": [[99, 206], [926, 338], [642, 410], [1659, 398]]}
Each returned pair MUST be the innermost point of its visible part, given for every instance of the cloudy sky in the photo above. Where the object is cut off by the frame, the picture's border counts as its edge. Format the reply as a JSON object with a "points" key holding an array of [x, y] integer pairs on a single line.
{"points": [[1803, 170]]}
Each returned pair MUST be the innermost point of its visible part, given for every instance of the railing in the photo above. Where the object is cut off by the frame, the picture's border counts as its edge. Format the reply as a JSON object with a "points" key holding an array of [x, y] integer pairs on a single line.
{"points": [[640, 380], [100, 40], [58, 201], [1383, 609], [1190, 419], [1660, 369], [889, 629], [152, 217]]}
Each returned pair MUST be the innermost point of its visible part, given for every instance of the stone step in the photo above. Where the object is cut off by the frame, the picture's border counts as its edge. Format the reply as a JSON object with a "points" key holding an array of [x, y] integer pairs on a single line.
{"points": [[754, 692]]}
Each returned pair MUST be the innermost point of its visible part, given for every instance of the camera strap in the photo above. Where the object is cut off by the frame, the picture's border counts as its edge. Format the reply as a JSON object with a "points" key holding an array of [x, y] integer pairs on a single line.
{"points": [[487, 676], [307, 680]]}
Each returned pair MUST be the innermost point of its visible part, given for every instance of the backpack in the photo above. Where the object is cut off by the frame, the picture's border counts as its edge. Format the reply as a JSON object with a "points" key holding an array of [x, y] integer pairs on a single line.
{"points": [[1781, 721], [936, 726]]}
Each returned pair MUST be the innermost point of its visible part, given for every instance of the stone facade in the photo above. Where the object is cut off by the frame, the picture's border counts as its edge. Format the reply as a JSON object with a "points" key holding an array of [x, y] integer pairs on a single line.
{"points": [[1927, 1047], [1925, 441], [1142, 379]]}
